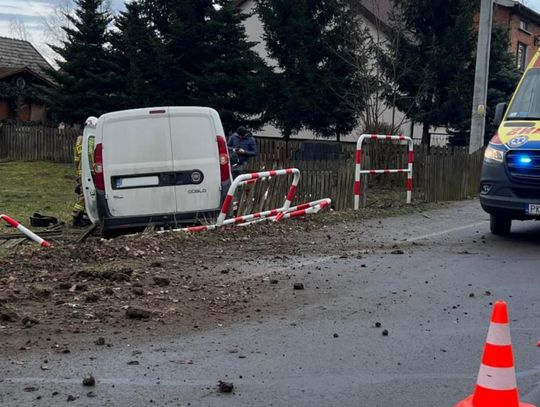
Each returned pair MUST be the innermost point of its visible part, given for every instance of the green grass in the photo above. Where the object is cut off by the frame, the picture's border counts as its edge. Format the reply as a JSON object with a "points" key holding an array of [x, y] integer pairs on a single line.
{"points": [[28, 187]]}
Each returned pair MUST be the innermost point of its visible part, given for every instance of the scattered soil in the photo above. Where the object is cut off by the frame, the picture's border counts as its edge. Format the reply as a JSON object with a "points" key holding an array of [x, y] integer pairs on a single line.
{"points": [[172, 279]]}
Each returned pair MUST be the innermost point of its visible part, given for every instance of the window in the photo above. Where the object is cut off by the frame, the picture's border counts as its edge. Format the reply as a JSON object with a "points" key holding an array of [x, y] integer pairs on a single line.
{"points": [[523, 25], [526, 103], [521, 56]]}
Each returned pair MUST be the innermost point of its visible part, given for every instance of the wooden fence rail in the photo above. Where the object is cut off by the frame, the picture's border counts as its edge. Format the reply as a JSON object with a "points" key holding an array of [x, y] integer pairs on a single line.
{"points": [[440, 173]]}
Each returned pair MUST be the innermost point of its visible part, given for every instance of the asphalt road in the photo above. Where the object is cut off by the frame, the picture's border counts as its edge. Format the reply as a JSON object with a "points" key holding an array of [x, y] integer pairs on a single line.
{"points": [[320, 346]]}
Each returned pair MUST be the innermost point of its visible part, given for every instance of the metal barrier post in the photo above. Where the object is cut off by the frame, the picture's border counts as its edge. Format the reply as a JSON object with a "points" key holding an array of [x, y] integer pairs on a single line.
{"points": [[31, 235], [254, 176], [359, 171]]}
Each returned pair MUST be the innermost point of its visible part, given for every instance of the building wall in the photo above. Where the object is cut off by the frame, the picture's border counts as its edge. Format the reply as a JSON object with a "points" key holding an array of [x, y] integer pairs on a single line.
{"points": [[25, 111], [255, 31], [510, 18], [4, 109]]}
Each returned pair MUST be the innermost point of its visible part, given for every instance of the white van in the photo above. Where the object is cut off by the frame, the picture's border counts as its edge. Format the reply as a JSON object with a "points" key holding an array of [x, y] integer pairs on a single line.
{"points": [[160, 166]]}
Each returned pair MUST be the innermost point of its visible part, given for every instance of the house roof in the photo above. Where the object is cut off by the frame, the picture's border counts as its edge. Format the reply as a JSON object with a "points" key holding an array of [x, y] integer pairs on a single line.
{"points": [[19, 54], [520, 9]]}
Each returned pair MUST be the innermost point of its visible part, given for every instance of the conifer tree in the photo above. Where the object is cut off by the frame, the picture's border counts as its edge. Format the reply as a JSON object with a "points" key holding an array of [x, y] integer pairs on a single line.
{"points": [[138, 55], [308, 40], [87, 82], [436, 53], [503, 76], [435, 46], [232, 78]]}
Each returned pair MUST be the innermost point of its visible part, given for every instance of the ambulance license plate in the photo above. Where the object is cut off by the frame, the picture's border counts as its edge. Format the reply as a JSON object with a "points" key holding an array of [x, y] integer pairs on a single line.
{"points": [[532, 209]]}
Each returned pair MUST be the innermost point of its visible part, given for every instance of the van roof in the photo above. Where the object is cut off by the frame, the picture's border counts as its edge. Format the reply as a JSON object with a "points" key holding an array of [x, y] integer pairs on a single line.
{"points": [[148, 111]]}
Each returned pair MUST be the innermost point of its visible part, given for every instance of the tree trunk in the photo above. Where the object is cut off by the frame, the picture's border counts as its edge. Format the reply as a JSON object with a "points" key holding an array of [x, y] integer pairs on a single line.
{"points": [[426, 137]]}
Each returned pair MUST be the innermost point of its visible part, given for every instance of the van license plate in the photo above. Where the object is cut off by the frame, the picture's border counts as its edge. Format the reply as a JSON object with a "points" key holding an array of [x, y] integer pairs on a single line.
{"points": [[136, 182], [532, 209]]}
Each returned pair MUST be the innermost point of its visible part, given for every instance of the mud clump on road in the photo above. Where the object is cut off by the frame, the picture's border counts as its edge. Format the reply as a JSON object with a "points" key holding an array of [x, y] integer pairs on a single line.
{"points": [[89, 381], [225, 387]]}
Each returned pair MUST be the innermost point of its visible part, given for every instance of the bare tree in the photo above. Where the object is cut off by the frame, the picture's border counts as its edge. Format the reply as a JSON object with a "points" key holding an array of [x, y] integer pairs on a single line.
{"points": [[367, 48], [53, 32], [376, 97], [19, 30], [53, 24]]}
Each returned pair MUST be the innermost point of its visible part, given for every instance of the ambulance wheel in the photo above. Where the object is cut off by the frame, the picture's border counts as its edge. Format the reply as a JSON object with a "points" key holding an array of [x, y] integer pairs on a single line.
{"points": [[500, 225]]}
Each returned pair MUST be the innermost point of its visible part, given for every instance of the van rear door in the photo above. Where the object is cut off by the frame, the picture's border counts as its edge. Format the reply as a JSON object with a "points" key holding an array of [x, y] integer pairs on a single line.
{"points": [[137, 161], [195, 159], [87, 164]]}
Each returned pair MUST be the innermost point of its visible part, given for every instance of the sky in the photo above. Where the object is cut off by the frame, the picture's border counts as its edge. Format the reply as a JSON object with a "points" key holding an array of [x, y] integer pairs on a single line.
{"points": [[31, 15]]}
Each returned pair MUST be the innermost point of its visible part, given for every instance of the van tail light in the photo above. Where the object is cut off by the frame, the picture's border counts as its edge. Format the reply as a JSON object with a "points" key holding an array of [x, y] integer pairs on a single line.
{"points": [[224, 164], [99, 178]]}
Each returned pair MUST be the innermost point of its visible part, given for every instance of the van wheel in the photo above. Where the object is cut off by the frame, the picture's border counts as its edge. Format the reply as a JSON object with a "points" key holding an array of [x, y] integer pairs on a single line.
{"points": [[500, 225]]}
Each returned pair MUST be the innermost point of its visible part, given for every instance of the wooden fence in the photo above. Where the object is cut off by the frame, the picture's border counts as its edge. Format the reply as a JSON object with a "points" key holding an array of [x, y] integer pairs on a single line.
{"points": [[440, 173], [35, 143]]}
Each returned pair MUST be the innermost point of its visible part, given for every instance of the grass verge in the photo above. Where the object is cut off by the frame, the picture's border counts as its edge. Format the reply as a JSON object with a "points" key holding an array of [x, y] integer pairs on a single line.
{"points": [[28, 187]]}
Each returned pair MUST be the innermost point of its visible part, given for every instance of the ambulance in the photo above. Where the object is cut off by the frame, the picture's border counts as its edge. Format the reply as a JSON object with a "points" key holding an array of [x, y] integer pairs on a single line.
{"points": [[510, 180], [162, 166]]}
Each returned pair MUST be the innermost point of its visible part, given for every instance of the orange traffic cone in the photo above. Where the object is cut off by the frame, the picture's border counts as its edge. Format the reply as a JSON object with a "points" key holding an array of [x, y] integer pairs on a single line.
{"points": [[496, 385]]}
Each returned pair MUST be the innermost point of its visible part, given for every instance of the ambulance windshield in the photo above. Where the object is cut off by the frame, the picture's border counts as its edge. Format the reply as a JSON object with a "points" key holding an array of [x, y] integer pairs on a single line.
{"points": [[526, 104]]}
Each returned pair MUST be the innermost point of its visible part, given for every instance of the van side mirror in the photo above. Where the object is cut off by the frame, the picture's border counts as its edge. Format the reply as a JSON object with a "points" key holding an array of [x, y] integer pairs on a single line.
{"points": [[499, 113]]}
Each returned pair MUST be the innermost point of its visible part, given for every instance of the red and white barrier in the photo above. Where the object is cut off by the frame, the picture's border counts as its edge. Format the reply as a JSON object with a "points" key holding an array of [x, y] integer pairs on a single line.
{"points": [[31, 235], [297, 211], [359, 171], [292, 212], [284, 212], [255, 176]]}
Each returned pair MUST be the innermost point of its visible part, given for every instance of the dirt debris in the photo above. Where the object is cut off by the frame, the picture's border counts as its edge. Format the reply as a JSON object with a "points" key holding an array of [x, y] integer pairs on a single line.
{"points": [[29, 321], [89, 381], [176, 279], [225, 387], [7, 314], [138, 313], [162, 281]]}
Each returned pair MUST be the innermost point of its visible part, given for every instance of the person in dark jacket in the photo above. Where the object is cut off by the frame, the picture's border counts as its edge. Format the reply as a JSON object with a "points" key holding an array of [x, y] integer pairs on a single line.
{"points": [[241, 148]]}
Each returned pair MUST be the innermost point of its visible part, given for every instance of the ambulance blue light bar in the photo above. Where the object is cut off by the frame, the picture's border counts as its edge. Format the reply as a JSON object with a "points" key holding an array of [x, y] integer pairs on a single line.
{"points": [[525, 160]]}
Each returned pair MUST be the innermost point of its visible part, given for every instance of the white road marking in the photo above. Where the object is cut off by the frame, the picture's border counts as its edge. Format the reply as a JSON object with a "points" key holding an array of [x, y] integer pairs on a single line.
{"points": [[445, 232]]}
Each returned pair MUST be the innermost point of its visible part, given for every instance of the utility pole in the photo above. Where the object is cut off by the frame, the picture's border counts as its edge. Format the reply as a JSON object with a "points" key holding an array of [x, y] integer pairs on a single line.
{"points": [[478, 118]]}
